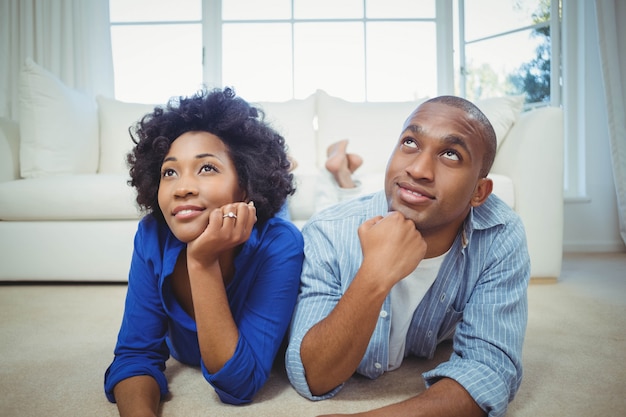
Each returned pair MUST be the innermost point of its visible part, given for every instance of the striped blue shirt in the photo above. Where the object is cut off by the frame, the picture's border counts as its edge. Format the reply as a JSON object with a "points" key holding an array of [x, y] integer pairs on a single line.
{"points": [[479, 295]]}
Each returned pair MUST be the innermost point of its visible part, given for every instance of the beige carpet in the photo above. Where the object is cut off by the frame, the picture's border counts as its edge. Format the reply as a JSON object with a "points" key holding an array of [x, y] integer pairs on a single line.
{"points": [[57, 340]]}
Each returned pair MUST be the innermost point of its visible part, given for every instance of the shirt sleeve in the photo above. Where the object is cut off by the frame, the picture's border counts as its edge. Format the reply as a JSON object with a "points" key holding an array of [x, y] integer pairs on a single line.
{"points": [[264, 318], [320, 291], [141, 348], [487, 357]]}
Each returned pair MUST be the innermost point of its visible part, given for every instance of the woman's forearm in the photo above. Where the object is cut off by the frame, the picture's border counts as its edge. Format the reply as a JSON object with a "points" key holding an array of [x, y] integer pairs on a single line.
{"points": [[137, 396], [217, 332]]}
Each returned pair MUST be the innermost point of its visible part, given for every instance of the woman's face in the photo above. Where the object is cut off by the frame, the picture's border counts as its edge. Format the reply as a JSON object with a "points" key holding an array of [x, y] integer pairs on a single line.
{"points": [[197, 176]]}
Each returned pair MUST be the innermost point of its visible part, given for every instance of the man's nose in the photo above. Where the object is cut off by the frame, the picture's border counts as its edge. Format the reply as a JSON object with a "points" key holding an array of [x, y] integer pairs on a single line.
{"points": [[421, 166]]}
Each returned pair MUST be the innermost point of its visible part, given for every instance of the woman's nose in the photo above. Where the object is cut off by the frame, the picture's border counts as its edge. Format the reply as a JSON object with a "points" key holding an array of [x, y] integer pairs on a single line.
{"points": [[185, 187]]}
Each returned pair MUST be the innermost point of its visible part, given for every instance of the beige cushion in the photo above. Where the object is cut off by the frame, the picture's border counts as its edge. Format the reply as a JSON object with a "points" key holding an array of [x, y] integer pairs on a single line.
{"points": [[71, 197], [373, 128], [58, 126], [115, 141], [293, 119], [502, 112]]}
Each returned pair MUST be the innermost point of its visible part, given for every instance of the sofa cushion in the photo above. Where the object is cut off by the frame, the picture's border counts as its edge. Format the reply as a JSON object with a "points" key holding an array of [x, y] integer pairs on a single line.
{"points": [[71, 197], [372, 128], [504, 188], [116, 117], [293, 119], [502, 112], [58, 126]]}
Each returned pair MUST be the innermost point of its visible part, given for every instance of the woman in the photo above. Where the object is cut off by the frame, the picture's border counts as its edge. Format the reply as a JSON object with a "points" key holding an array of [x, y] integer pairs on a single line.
{"points": [[214, 274]]}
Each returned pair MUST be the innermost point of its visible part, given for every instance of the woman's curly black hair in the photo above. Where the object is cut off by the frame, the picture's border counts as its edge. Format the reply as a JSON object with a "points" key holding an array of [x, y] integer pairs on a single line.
{"points": [[258, 151]]}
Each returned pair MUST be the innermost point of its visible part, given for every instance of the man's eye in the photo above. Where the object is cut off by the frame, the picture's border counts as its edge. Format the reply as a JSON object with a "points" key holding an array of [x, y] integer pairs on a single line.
{"points": [[408, 142], [451, 155]]}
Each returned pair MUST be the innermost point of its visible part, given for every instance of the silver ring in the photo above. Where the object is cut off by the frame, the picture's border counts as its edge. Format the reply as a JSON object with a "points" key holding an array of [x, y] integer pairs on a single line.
{"points": [[230, 214]]}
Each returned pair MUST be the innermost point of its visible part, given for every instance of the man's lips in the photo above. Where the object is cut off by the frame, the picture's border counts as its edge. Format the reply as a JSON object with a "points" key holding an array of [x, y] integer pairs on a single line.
{"points": [[410, 189]]}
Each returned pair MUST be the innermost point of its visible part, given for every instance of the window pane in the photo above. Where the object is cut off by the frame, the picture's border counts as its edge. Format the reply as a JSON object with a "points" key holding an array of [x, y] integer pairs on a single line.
{"points": [[155, 10], [400, 9], [401, 61], [490, 63], [152, 64], [256, 10], [256, 60], [328, 9], [329, 56], [490, 17]]}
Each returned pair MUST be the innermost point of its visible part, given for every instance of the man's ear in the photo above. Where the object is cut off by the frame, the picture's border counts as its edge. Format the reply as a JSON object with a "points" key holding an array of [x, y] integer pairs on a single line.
{"points": [[482, 191]]}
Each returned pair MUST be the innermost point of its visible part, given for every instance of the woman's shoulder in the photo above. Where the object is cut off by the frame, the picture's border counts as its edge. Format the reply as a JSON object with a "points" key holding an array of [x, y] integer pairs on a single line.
{"points": [[277, 231], [154, 234], [281, 226]]}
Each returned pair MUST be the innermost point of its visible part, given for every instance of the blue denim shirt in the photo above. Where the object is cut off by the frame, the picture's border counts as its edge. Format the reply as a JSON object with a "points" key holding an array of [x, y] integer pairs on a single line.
{"points": [[479, 295]]}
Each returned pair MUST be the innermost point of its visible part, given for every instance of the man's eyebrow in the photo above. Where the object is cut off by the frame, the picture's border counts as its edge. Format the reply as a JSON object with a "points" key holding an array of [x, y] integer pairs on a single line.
{"points": [[455, 140], [414, 129], [448, 140]]}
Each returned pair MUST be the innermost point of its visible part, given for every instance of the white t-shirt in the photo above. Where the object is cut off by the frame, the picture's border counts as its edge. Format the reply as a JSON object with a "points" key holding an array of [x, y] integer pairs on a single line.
{"points": [[405, 297]]}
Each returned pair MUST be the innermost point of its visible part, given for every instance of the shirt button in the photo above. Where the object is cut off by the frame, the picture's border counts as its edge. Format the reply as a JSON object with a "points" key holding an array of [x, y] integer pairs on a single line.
{"points": [[383, 313], [377, 365]]}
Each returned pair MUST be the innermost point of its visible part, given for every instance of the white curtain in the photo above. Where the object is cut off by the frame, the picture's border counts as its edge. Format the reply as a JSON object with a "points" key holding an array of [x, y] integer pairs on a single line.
{"points": [[611, 15], [70, 38]]}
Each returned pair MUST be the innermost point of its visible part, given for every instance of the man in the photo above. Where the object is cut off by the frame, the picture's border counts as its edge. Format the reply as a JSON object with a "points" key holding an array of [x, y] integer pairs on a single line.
{"points": [[394, 273]]}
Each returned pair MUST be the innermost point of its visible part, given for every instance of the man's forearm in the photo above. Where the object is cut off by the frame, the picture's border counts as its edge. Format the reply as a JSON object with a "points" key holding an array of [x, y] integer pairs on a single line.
{"points": [[333, 348], [446, 398]]}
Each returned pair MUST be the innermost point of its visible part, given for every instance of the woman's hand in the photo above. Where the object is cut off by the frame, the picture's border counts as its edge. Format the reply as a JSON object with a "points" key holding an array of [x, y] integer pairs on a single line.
{"points": [[229, 226]]}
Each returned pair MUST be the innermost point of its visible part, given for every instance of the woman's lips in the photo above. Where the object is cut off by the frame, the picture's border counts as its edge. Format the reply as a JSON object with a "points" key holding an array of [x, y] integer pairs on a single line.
{"points": [[187, 212]]}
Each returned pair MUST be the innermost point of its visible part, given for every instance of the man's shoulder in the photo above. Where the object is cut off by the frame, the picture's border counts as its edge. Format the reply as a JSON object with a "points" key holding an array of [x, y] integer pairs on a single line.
{"points": [[494, 212], [357, 209]]}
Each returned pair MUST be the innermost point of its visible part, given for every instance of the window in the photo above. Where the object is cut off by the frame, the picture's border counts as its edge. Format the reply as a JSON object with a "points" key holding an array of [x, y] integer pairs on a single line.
{"points": [[506, 49], [157, 48], [359, 50], [376, 50]]}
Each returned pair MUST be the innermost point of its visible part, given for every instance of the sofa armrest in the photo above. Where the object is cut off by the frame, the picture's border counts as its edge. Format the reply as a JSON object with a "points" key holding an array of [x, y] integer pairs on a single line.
{"points": [[9, 150], [532, 155]]}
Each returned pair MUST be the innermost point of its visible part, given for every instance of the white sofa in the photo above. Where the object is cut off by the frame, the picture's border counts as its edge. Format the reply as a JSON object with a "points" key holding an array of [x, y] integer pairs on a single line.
{"points": [[67, 214]]}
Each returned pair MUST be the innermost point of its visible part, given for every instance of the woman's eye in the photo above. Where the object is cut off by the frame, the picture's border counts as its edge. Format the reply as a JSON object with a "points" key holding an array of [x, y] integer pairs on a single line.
{"points": [[208, 168], [168, 172], [451, 155]]}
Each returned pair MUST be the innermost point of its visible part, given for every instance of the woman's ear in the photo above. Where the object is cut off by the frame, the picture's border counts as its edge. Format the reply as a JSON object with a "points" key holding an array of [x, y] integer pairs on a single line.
{"points": [[481, 192]]}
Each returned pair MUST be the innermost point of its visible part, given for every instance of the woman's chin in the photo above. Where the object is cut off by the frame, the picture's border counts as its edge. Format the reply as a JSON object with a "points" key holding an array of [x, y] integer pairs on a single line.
{"points": [[187, 236]]}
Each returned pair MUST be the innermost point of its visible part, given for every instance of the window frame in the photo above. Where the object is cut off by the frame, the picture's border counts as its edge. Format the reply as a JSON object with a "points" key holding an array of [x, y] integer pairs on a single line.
{"points": [[443, 20]]}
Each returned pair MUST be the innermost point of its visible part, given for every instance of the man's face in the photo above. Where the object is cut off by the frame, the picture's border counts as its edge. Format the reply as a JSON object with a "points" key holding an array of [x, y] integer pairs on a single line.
{"points": [[434, 169]]}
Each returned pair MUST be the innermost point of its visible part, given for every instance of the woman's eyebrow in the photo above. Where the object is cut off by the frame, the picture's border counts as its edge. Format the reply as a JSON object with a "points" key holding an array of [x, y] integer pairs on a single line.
{"points": [[199, 156]]}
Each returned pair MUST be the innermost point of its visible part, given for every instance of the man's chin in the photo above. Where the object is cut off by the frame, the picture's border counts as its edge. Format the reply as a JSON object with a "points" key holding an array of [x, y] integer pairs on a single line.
{"points": [[408, 214]]}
